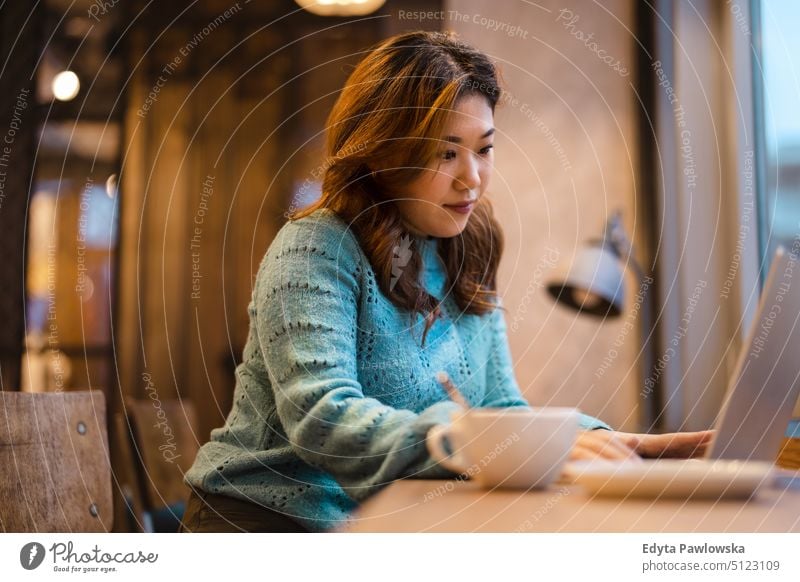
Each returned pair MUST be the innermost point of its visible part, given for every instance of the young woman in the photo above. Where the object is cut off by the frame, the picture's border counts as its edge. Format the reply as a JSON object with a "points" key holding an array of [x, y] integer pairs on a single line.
{"points": [[364, 296]]}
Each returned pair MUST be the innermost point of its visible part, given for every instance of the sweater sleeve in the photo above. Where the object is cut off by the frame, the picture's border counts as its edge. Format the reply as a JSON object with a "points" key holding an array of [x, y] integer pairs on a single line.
{"points": [[501, 385], [307, 295]]}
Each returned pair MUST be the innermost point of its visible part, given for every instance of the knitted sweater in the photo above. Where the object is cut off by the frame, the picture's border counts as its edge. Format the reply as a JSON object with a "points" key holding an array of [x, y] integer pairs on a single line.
{"points": [[335, 394]]}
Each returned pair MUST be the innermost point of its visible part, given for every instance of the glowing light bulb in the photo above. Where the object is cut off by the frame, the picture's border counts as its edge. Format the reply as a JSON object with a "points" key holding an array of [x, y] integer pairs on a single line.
{"points": [[66, 85], [340, 7]]}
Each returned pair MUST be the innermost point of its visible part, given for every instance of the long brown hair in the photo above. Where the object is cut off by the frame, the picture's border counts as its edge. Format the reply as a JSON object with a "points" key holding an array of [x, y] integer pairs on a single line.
{"points": [[389, 117]]}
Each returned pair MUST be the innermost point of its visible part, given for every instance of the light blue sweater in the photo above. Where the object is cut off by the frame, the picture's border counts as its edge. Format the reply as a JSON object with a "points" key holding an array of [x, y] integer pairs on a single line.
{"points": [[335, 394]]}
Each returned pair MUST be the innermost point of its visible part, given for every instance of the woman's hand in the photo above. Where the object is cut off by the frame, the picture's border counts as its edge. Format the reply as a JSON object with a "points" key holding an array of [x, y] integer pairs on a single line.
{"points": [[676, 445], [621, 446], [602, 444]]}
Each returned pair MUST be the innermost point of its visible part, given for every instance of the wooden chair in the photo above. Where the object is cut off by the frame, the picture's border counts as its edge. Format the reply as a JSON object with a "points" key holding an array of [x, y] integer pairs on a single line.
{"points": [[55, 474], [158, 444]]}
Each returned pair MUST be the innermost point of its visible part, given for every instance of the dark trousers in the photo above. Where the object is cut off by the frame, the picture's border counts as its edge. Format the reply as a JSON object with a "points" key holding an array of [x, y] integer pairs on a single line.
{"points": [[207, 512]]}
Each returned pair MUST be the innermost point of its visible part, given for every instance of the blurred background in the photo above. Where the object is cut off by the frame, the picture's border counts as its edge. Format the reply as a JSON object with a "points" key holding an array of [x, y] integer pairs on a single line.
{"points": [[151, 150]]}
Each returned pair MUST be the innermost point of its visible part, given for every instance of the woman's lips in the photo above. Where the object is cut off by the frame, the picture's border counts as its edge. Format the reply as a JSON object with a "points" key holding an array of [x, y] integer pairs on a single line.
{"points": [[461, 208]]}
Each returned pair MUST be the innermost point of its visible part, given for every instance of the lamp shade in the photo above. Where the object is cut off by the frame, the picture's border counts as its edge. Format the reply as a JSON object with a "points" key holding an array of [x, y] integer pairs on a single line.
{"points": [[594, 284], [341, 7]]}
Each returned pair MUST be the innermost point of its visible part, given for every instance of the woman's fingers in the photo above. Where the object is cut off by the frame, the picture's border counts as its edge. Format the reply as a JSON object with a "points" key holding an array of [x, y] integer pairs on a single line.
{"points": [[673, 445], [686, 444], [693, 444], [580, 453], [601, 444]]}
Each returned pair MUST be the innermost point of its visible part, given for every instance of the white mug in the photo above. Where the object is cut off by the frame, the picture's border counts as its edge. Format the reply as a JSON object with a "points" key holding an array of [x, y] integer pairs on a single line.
{"points": [[507, 447]]}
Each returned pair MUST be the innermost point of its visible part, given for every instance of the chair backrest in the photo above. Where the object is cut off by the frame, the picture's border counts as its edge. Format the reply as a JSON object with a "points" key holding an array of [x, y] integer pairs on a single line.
{"points": [[162, 441], [55, 473]]}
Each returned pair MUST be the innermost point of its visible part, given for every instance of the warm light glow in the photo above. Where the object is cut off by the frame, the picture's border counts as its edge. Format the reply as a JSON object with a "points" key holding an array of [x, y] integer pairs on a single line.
{"points": [[66, 85], [587, 299], [111, 186], [340, 7]]}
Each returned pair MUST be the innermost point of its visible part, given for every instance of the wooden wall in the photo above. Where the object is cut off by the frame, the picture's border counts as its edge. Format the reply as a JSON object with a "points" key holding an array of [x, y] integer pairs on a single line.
{"points": [[18, 129]]}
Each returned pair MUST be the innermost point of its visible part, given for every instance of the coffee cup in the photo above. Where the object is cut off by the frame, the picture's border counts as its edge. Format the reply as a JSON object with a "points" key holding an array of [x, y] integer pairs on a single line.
{"points": [[506, 447]]}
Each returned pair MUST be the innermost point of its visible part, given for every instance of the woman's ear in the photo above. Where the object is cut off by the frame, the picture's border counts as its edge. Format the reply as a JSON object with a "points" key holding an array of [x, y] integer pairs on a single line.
{"points": [[373, 171], [377, 168]]}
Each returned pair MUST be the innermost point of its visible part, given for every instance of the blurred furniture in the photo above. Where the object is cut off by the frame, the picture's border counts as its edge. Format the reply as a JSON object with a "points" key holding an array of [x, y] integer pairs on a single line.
{"points": [[157, 444], [56, 474], [789, 457], [45, 369]]}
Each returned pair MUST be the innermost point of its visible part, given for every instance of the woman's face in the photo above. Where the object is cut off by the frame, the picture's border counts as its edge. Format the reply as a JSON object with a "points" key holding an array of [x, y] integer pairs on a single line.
{"points": [[440, 200]]}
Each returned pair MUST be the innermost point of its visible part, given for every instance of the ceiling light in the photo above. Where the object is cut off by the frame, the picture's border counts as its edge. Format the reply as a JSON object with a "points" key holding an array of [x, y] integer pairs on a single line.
{"points": [[340, 7], [66, 85]]}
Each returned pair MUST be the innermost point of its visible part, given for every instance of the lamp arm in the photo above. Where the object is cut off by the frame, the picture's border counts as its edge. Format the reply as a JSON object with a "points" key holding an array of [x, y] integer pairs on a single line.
{"points": [[621, 244]]}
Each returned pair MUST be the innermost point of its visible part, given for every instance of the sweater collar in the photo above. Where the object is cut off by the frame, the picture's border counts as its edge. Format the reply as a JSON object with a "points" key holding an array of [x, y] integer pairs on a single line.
{"points": [[427, 248]]}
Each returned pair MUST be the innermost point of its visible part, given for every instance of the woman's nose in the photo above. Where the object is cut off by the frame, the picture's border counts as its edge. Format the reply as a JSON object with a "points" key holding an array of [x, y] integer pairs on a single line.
{"points": [[468, 177]]}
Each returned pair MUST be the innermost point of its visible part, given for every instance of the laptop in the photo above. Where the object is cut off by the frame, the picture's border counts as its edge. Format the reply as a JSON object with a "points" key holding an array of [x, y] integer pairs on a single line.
{"points": [[765, 384], [754, 416]]}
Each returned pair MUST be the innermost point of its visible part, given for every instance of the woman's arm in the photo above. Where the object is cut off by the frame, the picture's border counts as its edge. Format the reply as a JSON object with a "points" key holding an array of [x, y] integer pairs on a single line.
{"points": [[307, 297], [501, 384]]}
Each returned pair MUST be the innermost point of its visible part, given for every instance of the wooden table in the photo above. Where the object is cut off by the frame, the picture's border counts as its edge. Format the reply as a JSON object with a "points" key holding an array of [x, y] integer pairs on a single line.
{"points": [[460, 506], [415, 505]]}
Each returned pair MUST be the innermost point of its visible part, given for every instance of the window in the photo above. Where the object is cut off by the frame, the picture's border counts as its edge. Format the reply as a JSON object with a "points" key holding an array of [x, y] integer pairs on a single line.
{"points": [[777, 67]]}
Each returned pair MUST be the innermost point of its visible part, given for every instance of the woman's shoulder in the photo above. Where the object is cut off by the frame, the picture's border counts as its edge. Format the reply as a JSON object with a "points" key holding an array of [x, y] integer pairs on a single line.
{"points": [[310, 246], [322, 232]]}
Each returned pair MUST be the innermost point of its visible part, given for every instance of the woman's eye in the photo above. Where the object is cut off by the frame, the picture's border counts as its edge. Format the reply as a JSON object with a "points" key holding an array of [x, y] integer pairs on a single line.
{"points": [[450, 154]]}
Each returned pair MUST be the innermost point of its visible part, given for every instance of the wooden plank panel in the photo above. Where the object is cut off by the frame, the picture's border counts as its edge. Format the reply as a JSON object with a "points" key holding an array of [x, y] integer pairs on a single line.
{"points": [[54, 452], [212, 166], [164, 271]]}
